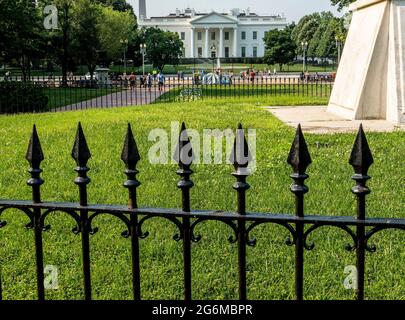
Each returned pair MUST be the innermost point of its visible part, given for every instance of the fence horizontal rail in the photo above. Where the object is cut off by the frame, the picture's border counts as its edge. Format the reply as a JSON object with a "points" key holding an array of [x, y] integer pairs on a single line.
{"points": [[300, 226], [210, 214]]}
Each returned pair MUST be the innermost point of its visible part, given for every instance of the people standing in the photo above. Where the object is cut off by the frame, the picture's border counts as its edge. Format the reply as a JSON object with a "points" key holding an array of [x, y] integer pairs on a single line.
{"points": [[161, 81], [252, 76], [149, 81], [132, 81]]}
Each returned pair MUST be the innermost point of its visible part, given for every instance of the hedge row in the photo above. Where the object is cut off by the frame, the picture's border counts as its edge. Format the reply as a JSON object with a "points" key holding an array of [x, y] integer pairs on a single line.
{"points": [[18, 97]]}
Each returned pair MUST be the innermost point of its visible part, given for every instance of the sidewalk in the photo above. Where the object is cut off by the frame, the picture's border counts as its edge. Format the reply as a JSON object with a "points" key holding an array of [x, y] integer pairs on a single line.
{"points": [[118, 99], [316, 119]]}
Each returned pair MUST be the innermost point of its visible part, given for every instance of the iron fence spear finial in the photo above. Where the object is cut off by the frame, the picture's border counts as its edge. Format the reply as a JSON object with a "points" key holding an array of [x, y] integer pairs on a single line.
{"points": [[299, 157], [130, 154], [81, 154], [35, 156]]}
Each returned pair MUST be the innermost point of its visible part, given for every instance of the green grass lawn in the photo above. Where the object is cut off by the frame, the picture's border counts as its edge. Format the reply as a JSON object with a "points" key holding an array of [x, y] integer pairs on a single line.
{"points": [[296, 92], [270, 265]]}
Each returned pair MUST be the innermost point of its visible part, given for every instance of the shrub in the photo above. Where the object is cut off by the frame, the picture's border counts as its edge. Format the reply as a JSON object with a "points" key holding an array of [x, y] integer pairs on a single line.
{"points": [[20, 97]]}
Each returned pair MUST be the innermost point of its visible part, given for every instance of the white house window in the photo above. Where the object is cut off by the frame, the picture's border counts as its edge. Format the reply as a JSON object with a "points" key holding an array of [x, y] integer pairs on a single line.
{"points": [[255, 52], [226, 52], [213, 36], [226, 35], [243, 35], [199, 36], [243, 51], [254, 35], [200, 52], [183, 36]]}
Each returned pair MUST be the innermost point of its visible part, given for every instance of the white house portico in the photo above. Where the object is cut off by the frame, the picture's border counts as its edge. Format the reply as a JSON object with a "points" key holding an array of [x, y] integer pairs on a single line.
{"points": [[219, 34], [223, 35]]}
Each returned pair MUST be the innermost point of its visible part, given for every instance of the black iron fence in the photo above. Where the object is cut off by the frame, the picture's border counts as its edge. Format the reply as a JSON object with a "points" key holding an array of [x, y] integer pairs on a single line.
{"points": [[300, 226], [52, 94]]}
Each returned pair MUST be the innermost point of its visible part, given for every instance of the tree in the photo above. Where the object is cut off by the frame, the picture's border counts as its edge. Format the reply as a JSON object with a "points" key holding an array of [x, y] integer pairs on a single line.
{"points": [[163, 47], [305, 29], [319, 30], [61, 39], [280, 47], [87, 36], [117, 5], [114, 27], [327, 43], [341, 3], [21, 37], [313, 45]]}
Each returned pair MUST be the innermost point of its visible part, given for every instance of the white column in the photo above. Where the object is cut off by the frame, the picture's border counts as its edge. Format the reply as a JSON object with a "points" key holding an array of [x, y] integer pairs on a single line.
{"points": [[207, 42], [192, 43], [235, 42], [221, 43]]}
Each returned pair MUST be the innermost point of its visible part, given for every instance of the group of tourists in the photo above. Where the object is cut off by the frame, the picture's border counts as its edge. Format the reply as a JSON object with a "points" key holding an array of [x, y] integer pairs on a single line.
{"points": [[146, 81]]}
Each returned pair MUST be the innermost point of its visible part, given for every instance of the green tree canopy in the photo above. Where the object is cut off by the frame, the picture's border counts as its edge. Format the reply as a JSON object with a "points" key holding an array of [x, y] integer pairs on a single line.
{"points": [[341, 3], [163, 47], [320, 31], [305, 29], [327, 42], [117, 5], [280, 47], [116, 27], [87, 36], [21, 36]]}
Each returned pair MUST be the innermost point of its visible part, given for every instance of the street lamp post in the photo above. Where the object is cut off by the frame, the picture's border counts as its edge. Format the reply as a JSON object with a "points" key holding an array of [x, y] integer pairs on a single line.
{"points": [[339, 48], [125, 43], [304, 46], [143, 52]]}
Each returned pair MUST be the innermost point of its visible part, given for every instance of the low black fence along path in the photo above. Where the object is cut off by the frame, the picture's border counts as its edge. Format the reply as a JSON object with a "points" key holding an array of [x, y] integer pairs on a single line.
{"points": [[42, 94], [359, 229]]}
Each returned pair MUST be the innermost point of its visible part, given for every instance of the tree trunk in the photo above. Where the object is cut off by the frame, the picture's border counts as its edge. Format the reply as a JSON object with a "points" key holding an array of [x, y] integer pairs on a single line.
{"points": [[65, 55]]}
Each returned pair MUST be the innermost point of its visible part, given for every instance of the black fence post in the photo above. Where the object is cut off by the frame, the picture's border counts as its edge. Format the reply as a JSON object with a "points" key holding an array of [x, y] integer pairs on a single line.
{"points": [[35, 156], [130, 156], [240, 158], [299, 159], [361, 159], [81, 154], [184, 157]]}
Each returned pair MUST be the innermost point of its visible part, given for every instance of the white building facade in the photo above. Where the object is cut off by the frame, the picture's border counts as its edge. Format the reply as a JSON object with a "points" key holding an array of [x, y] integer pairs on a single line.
{"points": [[218, 35]]}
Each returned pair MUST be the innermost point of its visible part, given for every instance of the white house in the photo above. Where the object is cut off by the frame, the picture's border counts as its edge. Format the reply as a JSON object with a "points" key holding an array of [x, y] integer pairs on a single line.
{"points": [[224, 35]]}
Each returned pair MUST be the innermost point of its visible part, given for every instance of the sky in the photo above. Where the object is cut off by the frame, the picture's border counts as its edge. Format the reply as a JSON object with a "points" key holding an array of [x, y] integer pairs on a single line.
{"points": [[293, 9]]}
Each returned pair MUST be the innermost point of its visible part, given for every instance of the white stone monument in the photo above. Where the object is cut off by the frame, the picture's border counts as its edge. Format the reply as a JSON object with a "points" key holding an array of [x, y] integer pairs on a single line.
{"points": [[370, 82]]}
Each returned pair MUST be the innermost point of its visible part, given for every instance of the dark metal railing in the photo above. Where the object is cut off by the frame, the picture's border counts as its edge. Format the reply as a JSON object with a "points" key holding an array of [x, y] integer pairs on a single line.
{"points": [[300, 226], [42, 94]]}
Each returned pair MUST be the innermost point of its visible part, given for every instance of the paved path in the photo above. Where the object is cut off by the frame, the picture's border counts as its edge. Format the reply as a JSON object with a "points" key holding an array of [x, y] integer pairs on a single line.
{"points": [[316, 119], [119, 99]]}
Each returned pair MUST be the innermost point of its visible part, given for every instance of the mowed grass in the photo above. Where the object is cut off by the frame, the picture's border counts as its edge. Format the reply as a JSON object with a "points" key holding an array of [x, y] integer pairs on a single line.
{"points": [[270, 264], [295, 93]]}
